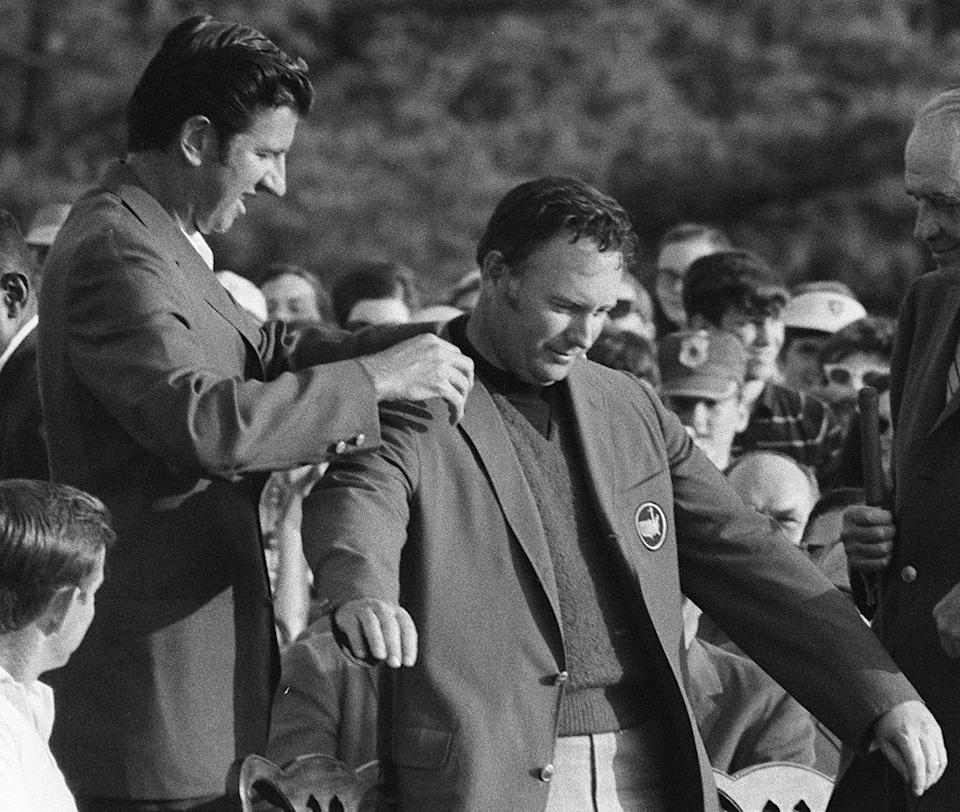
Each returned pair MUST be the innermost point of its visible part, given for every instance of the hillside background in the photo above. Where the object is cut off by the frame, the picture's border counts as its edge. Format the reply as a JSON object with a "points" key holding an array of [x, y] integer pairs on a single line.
{"points": [[782, 121]]}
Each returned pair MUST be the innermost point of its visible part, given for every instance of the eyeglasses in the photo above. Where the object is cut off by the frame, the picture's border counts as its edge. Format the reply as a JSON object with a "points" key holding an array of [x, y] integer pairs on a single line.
{"points": [[844, 376]]}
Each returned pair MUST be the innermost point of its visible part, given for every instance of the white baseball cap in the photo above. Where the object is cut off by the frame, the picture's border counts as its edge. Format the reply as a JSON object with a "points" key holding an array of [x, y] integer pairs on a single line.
{"points": [[823, 310]]}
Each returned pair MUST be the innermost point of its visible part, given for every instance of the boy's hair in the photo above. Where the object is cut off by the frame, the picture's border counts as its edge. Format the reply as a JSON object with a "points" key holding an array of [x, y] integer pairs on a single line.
{"points": [[275, 270], [731, 279], [51, 536], [872, 335], [224, 71], [535, 212]]}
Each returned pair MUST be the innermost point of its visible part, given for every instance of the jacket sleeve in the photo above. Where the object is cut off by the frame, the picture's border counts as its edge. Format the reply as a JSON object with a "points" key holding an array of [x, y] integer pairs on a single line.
{"points": [[772, 601], [355, 519], [190, 392]]}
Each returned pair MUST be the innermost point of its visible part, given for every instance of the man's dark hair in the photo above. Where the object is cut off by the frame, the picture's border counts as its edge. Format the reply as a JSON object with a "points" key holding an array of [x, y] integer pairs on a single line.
{"points": [[627, 352], [373, 280], [872, 335], [224, 71], [532, 213], [50, 537], [731, 279], [694, 231], [15, 256]]}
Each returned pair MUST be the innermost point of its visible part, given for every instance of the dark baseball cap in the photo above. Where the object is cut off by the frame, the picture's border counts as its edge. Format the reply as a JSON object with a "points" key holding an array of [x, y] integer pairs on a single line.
{"points": [[701, 364]]}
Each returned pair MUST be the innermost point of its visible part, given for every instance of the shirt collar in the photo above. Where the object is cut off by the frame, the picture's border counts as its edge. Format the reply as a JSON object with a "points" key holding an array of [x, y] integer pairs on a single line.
{"points": [[202, 246], [18, 338], [33, 700]]}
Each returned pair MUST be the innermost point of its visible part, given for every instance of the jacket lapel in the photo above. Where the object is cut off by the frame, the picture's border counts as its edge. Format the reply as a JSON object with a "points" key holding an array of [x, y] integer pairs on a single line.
{"points": [[123, 182], [486, 432], [943, 340], [596, 443]]}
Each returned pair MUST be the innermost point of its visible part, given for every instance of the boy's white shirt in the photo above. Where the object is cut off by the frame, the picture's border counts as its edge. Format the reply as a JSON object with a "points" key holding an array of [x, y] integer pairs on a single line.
{"points": [[29, 775]]}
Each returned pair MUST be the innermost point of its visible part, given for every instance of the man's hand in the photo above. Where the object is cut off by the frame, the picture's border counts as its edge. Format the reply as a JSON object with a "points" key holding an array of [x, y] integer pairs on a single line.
{"points": [[946, 614], [421, 368], [867, 534], [911, 739], [378, 630]]}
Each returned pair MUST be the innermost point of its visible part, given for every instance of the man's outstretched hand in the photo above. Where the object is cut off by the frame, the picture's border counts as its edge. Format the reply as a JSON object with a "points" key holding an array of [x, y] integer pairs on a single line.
{"points": [[421, 368], [911, 739], [377, 630]]}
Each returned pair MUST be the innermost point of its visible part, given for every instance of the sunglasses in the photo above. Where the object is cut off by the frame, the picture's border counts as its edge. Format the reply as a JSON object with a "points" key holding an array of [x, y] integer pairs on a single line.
{"points": [[844, 376]]}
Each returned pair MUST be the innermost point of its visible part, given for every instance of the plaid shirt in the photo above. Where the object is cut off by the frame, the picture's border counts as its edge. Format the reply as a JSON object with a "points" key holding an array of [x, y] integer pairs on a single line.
{"points": [[793, 423]]}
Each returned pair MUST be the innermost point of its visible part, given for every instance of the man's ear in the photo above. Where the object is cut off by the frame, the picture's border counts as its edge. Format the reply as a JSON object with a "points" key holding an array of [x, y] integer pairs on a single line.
{"points": [[501, 275], [15, 288], [198, 140], [52, 617]]}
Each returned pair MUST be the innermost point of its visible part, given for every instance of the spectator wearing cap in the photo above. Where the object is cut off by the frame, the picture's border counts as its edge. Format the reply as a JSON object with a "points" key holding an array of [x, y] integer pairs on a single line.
{"points": [[23, 449], [702, 375], [814, 313], [738, 292], [679, 247], [44, 227]]}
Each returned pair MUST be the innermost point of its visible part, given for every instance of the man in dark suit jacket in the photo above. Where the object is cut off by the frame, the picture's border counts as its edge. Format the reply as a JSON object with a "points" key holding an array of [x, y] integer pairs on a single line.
{"points": [[170, 403], [23, 452], [525, 566], [911, 554]]}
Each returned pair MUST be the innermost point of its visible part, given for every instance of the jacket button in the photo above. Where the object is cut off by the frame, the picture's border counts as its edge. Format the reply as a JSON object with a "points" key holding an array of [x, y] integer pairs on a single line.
{"points": [[561, 678], [340, 447], [546, 773], [908, 574], [359, 440]]}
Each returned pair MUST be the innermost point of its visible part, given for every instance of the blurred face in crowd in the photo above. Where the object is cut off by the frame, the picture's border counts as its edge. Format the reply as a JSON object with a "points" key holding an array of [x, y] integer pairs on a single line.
{"points": [[932, 179], [290, 297], [762, 335], [800, 361], [672, 263], [844, 378], [538, 319], [633, 310], [712, 423], [250, 162], [775, 486]]}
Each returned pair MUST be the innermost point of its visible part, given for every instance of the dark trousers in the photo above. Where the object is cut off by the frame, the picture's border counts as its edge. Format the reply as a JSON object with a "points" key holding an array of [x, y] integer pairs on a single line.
{"points": [[209, 804]]}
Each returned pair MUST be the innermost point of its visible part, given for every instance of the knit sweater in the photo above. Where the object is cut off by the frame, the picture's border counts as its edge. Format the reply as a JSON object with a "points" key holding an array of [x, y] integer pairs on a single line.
{"points": [[608, 671]]}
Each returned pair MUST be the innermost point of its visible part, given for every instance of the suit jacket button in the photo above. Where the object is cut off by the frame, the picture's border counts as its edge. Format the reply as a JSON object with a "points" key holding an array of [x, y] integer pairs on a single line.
{"points": [[546, 773], [340, 447], [561, 678], [908, 574]]}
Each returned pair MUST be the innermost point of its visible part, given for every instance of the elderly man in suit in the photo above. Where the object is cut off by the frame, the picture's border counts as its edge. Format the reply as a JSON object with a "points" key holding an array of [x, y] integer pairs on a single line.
{"points": [[521, 573], [23, 452], [908, 553], [169, 402]]}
